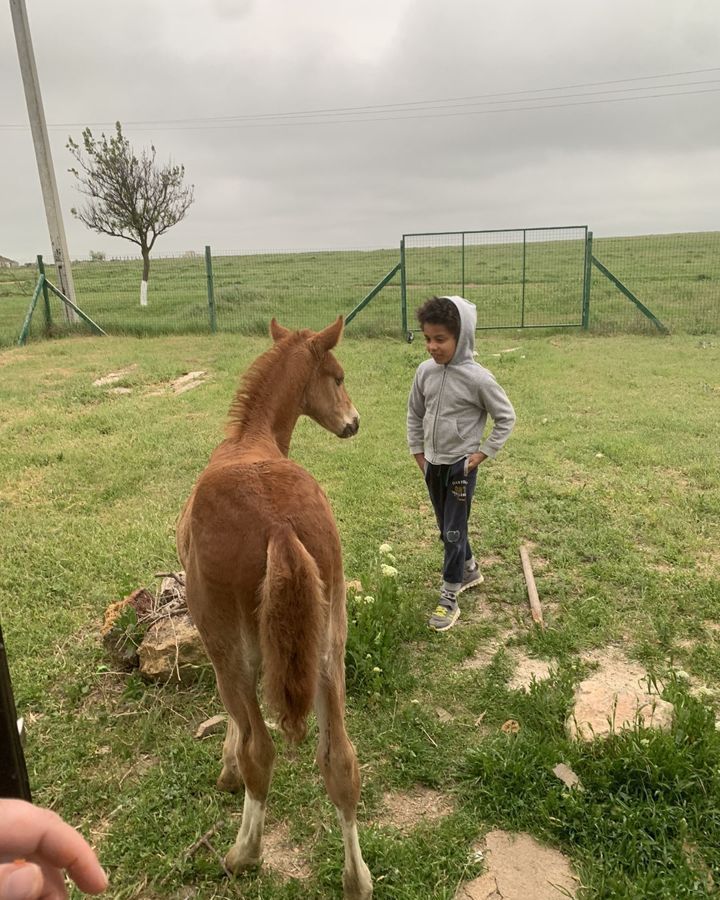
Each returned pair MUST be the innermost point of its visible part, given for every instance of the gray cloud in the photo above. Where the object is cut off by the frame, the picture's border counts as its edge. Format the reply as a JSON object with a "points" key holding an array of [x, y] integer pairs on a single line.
{"points": [[623, 167]]}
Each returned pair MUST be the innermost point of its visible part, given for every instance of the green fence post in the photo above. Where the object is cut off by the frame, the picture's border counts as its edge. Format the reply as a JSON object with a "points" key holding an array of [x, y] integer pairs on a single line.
{"points": [[369, 296], [403, 288], [210, 289], [587, 281], [46, 295], [25, 330], [522, 296]]}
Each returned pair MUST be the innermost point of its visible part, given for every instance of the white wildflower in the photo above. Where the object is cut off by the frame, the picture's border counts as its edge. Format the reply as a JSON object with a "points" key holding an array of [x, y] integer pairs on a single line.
{"points": [[377, 669], [389, 571], [369, 600], [385, 549]]}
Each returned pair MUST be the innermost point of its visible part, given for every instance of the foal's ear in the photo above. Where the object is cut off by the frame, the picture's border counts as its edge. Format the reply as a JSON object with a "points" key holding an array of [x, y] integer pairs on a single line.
{"points": [[327, 338], [277, 331]]}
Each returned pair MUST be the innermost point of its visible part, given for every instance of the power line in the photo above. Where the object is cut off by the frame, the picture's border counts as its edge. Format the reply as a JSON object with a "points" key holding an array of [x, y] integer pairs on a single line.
{"points": [[399, 118], [340, 115]]}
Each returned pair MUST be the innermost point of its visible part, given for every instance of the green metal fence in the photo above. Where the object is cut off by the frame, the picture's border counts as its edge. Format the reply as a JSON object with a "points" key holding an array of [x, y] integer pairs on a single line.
{"points": [[677, 276], [225, 292], [519, 278]]}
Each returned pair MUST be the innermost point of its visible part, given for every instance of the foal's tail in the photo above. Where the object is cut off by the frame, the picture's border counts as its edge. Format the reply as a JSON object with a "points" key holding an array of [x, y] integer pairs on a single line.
{"points": [[293, 612]]}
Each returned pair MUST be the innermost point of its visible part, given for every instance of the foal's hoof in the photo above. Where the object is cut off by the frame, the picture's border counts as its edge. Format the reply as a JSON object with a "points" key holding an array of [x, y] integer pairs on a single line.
{"points": [[357, 885], [239, 860], [228, 781]]}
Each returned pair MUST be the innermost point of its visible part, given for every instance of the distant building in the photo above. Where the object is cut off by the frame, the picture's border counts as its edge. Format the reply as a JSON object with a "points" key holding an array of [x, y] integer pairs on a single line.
{"points": [[5, 263]]}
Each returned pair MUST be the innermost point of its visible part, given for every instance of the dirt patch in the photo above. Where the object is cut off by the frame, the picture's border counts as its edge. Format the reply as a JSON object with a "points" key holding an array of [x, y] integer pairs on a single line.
{"points": [[487, 562], [114, 377], [519, 868], [476, 609], [528, 670], [483, 656], [708, 564], [26, 487], [405, 811], [284, 857]]}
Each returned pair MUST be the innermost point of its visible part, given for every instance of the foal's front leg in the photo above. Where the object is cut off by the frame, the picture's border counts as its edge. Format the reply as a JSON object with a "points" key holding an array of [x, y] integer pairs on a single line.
{"points": [[338, 763]]}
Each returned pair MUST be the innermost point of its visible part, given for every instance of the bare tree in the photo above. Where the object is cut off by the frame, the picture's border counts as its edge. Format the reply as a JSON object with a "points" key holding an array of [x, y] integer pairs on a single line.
{"points": [[131, 196]]}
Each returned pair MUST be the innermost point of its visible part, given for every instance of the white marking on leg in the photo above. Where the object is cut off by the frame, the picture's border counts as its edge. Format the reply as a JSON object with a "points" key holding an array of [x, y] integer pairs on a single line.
{"points": [[357, 880], [247, 850], [253, 821]]}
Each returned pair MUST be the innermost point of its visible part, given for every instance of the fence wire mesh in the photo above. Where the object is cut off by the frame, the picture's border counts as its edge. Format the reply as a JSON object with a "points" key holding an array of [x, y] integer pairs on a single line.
{"points": [[523, 277], [677, 276], [517, 278]]}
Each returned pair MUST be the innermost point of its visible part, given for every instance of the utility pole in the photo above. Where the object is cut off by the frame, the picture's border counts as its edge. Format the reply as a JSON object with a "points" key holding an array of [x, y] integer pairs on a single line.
{"points": [[42, 153]]}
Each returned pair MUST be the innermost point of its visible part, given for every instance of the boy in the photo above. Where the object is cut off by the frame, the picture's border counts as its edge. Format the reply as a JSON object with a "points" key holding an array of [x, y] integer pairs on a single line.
{"points": [[448, 407]]}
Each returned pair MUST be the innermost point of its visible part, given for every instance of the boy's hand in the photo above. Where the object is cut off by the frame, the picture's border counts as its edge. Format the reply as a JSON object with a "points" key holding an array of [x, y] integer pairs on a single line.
{"points": [[474, 460], [420, 460]]}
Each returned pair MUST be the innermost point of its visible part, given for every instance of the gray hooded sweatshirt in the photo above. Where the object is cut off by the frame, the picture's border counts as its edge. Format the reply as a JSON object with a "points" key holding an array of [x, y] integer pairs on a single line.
{"points": [[449, 404]]}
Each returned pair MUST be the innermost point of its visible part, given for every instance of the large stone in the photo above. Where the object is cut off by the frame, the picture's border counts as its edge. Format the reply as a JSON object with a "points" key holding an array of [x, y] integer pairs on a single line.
{"points": [[172, 650], [121, 631], [520, 868], [614, 698]]}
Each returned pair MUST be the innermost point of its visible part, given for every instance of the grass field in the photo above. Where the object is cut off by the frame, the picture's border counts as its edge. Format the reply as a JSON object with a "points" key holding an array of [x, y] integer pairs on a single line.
{"points": [[677, 276], [611, 473]]}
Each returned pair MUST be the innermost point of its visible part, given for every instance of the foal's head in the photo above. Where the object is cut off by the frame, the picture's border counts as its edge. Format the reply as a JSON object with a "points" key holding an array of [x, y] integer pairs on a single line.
{"points": [[325, 399]]}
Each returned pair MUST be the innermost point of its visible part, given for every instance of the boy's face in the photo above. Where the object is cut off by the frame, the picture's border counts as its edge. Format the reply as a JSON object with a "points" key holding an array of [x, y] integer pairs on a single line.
{"points": [[440, 342]]}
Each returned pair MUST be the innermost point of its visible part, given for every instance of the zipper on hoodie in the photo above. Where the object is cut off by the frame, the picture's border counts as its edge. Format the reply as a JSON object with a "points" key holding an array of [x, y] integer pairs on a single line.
{"points": [[437, 410]]}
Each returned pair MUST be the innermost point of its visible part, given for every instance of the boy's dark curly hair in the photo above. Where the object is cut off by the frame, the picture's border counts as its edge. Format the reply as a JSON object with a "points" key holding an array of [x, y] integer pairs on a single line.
{"points": [[440, 311]]}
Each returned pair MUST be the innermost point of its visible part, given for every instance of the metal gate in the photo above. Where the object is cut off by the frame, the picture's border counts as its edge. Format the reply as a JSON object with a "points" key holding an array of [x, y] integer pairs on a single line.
{"points": [[517, 278]]}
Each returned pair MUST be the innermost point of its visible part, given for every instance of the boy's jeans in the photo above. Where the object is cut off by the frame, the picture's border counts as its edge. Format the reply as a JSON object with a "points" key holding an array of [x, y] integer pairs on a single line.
{"points": [[451, 492]]}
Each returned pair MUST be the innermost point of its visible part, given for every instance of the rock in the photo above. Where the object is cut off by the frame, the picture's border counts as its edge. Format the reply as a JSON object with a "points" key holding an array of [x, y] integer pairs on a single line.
{"points": [[188, 382], [210, 726], [567, 776], [114, 377], [172, 650], [121, 632], [520, 868], [614, 698], [600, 711]]}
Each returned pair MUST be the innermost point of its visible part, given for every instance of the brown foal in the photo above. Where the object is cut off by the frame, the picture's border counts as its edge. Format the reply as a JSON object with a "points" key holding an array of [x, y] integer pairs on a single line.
{"points": [[266, 588]]}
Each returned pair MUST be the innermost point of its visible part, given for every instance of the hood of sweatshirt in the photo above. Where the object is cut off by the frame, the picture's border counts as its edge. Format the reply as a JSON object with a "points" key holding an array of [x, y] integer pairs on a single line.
{"points": [[465, 349]]}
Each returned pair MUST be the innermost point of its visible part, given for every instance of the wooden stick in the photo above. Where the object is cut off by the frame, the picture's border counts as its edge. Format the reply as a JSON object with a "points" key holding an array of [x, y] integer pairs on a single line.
{"points": [[535, 607]]}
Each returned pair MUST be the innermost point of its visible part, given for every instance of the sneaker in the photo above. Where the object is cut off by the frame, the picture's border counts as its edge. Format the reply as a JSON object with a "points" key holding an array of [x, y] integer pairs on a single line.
{"points": [[471, 578], [446, 614]]}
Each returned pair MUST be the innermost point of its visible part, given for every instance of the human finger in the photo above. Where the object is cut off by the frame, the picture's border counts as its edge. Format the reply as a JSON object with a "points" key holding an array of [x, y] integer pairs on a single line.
{"points": [[21, 881], [31, 831]]}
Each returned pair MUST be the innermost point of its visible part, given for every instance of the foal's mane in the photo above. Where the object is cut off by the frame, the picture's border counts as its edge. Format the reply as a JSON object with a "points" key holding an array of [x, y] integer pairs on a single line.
{"points": [[261, 380]]}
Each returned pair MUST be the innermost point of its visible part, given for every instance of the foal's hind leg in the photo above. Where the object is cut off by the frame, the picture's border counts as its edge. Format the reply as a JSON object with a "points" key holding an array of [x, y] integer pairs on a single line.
{"points": [[254, 751], [230, 778], [338, 763]]}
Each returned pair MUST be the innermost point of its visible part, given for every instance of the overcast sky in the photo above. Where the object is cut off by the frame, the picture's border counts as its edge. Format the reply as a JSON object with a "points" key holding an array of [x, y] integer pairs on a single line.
{"points": [[536, 143]]}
